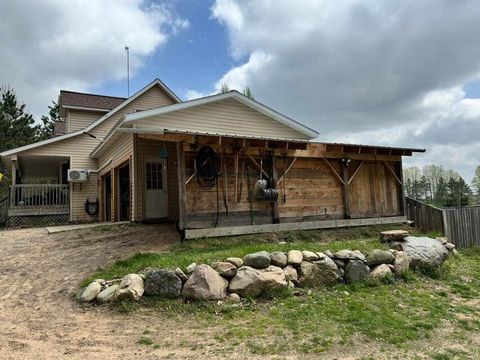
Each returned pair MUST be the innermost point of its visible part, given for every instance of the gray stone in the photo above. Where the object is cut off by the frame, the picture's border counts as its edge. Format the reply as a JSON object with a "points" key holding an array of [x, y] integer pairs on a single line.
{"points": [[190, 268], [330, 254], [91, 292], [393, 235], [205, 284], [250, 282], [443, 240], [294, 257], [423, 252], [290, 273], [101, 282], [356, 270], [291, 285], [401, 263], [309, 255], [234, 298], [449, 246], [340, 263], [377, 257], [278, 258], [179, 272], [258, 260], [320, 255], [107, 295], [349, 255], [131, 288], [164, 283], [236, 261], [226, 269], [318, 273], [381, 271]]}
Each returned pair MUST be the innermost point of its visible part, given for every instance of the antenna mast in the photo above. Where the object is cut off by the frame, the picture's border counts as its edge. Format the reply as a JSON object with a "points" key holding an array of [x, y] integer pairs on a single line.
{"points": [[127, 49]]}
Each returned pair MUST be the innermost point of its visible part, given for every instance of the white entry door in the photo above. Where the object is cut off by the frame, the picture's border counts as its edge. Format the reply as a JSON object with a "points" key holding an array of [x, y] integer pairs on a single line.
{"points": [[156, 188]]}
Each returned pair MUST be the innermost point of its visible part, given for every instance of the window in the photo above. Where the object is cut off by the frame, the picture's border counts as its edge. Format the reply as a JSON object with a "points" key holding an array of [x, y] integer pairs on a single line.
{"points": [[154, 175]]}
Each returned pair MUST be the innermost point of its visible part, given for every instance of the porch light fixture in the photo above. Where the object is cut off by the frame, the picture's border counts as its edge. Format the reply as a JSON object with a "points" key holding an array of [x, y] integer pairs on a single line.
{"points": [[163, 151]]}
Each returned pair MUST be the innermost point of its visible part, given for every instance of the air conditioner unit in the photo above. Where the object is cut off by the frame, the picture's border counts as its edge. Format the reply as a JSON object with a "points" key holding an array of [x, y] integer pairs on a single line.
{"points": [[77, 175]]}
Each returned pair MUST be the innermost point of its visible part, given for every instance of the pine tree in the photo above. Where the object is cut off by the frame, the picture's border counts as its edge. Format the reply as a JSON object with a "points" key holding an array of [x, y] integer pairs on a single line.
{"points": [[47, 129], [441, 192]]}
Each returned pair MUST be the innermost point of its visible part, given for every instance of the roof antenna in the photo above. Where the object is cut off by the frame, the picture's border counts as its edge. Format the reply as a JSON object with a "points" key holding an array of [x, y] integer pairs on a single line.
{"points": [[127, 49]]}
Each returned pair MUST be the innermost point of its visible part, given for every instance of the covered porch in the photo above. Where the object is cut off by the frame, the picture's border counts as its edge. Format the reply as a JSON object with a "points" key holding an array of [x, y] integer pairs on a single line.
{"points": [[39, 186]]}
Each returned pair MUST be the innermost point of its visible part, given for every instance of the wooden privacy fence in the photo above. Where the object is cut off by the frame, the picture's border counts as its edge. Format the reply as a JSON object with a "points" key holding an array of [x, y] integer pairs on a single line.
{"points": [[461, 226]]}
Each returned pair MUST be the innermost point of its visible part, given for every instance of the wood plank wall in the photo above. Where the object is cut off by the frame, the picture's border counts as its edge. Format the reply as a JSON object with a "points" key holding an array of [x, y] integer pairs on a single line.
{"points": [[313, 192]]}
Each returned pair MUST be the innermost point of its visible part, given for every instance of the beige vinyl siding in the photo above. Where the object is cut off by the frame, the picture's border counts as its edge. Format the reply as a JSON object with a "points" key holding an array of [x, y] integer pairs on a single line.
{"points": [[78, 119], [153, 98], [223, 117], [79, 147], [151, 148]]}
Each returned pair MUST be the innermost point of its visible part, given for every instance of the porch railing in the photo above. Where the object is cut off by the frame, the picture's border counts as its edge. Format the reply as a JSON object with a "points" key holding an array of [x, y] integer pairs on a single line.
{"points": [[41, 197]]}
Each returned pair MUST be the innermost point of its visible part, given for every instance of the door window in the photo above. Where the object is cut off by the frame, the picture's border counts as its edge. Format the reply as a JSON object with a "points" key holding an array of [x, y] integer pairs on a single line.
{"points": [[154, 176]]}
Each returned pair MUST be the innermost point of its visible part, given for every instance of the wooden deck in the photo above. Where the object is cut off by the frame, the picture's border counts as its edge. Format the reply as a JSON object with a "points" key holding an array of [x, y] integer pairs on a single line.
{"points": [[39, 199]]}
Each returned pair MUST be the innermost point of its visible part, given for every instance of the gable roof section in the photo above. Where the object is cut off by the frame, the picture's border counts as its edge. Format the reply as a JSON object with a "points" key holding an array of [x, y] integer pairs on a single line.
{"points": [[156, 82], [265, 110], [78, 100]]}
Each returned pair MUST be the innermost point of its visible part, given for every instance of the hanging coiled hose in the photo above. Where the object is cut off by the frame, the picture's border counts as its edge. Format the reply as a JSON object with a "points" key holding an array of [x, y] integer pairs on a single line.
{"points": [[206, 164], [206, 168]]}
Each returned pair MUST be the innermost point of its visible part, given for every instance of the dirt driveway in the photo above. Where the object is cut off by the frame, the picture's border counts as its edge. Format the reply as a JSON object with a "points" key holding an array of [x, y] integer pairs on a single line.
{"points": [[40, 272]]}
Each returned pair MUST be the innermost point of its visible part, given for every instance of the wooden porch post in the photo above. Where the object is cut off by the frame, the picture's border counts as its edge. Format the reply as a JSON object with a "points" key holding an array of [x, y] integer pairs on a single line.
{"points": [[182, 192], [346, 195], [275, 213], [14, 182], [403, 201]]}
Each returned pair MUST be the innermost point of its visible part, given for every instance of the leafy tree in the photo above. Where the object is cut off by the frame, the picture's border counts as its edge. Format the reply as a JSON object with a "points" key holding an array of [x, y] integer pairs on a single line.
{"points": [[476, 184], [459, 193], [17, 128], [47, 129], [224, 89]]}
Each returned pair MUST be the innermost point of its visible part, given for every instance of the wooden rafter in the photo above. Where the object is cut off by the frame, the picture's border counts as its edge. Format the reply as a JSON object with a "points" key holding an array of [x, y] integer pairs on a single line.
{"points": [[257, 166], [389, 167], [286, 171], [334, 171], [355, 172]]}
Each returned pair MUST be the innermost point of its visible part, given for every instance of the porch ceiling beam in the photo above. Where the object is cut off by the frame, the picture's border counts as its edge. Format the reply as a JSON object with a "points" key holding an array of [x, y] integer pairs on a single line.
{"points": [[339, 178], [389, 167]]}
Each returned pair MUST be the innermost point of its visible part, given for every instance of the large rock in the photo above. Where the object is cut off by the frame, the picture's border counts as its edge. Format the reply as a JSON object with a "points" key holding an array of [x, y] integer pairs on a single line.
{"points": [[205, 284], [377, 257], [250, 282], [401, 263], [190, 268], [91, 292], [290, 273], [423, 252], [309, 255], [349, 255], [226, 269], [381, 271], [294, 257], [393, 235], [318, 273], [356, 270], [164, 283], [131, 288], [238, 262], [179, 272], [107, 295], [259, 260], [278, 258]]}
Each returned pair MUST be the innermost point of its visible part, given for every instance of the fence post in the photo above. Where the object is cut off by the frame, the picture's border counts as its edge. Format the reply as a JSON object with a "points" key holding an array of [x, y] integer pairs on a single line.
{"points": [[446, 231]]}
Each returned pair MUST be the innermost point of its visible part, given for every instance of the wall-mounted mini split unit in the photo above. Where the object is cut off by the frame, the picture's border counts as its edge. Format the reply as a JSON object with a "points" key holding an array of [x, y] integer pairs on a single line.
{"points": [[77, 175]]}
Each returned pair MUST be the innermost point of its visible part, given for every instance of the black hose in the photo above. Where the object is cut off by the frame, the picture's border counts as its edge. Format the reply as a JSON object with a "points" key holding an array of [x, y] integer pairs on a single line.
{"points": [[206, 163]]}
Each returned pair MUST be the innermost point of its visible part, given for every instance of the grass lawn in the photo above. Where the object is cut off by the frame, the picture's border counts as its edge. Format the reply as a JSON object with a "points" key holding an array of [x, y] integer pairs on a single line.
{"points": [[403, 319]]}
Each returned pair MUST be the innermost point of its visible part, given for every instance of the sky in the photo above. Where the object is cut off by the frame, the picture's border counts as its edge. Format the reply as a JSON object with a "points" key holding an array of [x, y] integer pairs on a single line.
{"points": [[384, 72]]}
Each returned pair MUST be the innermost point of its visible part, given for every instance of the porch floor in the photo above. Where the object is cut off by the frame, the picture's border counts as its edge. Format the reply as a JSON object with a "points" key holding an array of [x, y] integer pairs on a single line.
{"points": [[62, 228]]}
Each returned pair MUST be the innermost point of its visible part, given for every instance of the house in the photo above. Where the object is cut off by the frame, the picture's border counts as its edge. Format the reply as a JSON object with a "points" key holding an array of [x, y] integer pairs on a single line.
{"points": [[217, 165]]}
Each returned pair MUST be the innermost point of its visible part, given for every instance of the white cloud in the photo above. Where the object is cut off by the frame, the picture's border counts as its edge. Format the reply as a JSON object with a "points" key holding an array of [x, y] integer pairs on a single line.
{"points": [[193, 94], [76, 44], [378, 71]]}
